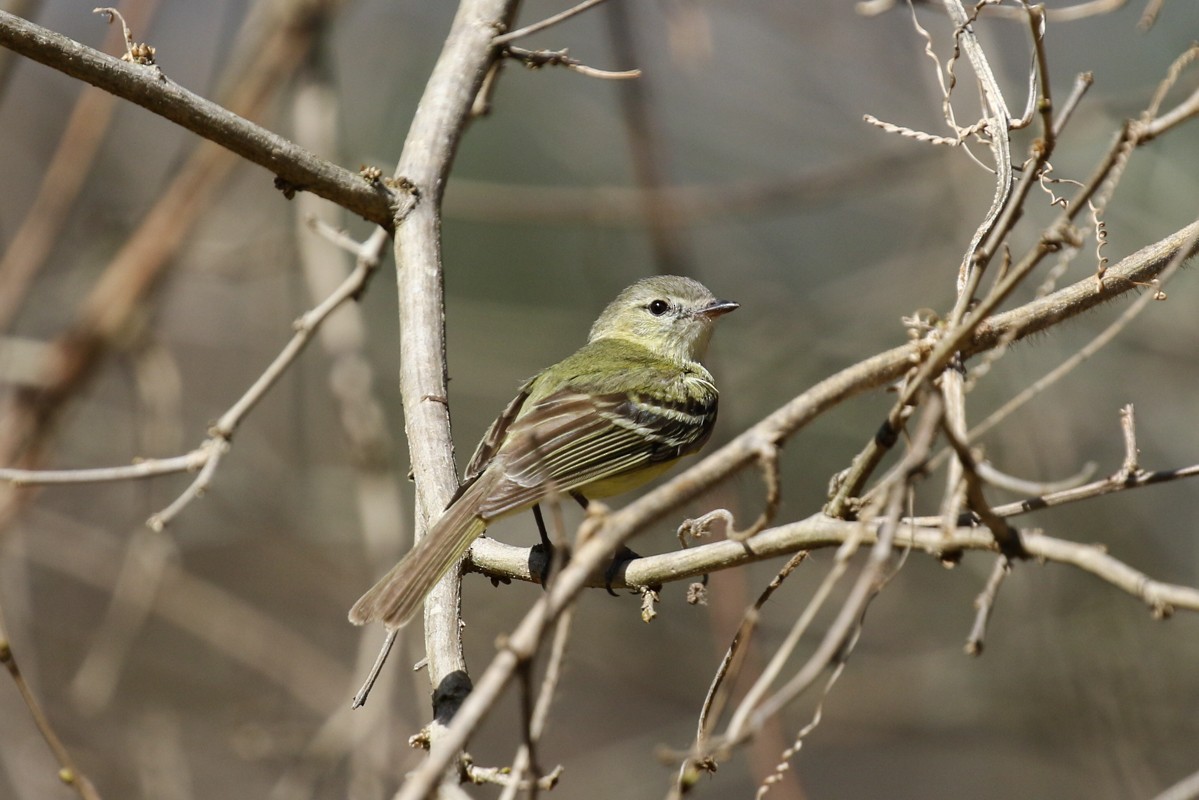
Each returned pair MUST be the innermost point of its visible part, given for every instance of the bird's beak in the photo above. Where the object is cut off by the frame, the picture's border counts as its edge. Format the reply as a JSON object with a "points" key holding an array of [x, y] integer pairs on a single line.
{"points": [[718, 308]]}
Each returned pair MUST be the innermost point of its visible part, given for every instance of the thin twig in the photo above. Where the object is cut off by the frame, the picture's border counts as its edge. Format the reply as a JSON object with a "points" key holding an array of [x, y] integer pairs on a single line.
{"points": [[561, 16], [68, 772], [1082, 82], [538, 717], [755, 708], [719, 689], [1007, 537], [1090, 348], [145, 468], [984, 604], [993, 477], [384, 650], [216, 449]]}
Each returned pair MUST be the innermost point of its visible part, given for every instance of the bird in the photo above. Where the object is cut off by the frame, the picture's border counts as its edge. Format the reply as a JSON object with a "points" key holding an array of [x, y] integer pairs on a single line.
{"points": [[614, 415]]}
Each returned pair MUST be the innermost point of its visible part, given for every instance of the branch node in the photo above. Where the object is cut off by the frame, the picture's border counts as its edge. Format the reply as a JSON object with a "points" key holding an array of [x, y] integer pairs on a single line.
{"points": [[649, 598], [135, 52], [536, 59]]}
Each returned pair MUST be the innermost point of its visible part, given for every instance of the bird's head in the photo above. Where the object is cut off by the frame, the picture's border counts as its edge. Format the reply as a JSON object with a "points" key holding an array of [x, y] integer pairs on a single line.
{"points": [[669, 315]]}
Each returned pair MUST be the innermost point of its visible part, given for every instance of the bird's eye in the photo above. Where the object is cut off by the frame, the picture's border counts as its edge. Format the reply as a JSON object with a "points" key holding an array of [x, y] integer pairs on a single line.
{"points": [[658, 307]]}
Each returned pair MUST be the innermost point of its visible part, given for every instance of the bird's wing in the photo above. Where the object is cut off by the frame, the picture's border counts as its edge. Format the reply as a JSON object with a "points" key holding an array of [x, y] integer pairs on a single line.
{"points": [[494, 438], [571, 439]]}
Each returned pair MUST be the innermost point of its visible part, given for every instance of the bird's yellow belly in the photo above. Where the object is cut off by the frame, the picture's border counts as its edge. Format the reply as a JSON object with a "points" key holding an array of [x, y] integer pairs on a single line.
{"points": [[619, 484]]}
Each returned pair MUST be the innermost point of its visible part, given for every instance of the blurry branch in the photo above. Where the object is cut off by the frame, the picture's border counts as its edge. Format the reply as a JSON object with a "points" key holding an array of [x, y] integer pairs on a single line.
{"points": [[68, 772], [1067, 13], [206, 457], [651, 159], [146, 555], [719, 690], [223, 622], [620, 206], [296, 169], [63, 179], [535, 715], [143, 468], [1185, 789], [364, 739], [119, 294]]}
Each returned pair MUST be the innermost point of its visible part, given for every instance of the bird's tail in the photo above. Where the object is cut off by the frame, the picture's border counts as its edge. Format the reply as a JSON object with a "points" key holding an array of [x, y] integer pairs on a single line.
{"points": [[399, 593]]}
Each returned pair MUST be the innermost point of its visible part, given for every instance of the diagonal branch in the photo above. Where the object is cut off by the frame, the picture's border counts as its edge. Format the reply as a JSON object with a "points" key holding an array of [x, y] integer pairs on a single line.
{"points": [[295, 168]]}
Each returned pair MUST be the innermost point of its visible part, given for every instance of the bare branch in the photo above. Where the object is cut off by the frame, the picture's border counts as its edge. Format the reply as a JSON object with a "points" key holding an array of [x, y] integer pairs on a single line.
{"points": [[984, 604], [536, 59], [424, 164], [296, 169], [145, 468], [68, 772], [550, 21]]}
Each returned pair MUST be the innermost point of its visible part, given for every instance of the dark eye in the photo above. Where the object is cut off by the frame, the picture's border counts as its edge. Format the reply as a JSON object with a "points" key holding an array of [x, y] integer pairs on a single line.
{"points": [[658, 307]]}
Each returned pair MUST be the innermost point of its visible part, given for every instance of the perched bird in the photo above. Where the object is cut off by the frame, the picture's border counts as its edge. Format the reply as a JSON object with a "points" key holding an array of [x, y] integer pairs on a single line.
{"points": [[616, 414]]}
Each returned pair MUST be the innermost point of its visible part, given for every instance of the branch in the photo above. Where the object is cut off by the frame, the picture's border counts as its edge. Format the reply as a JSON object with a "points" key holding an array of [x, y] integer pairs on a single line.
{"points": [[820, 532], [424, 165], [561, 16], [68, 772], [296, 169]]}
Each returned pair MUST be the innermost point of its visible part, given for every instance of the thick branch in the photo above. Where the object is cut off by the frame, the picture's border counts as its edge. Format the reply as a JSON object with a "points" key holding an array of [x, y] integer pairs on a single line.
{"points": [[424, 165]]}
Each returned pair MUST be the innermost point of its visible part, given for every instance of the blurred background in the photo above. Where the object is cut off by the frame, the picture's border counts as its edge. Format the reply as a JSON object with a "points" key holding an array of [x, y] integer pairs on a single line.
{"points": [[214, 659]]}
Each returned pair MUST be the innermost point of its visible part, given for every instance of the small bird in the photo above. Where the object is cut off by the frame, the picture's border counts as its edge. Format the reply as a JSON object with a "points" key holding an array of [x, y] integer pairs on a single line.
{"points": [[616, 414]]}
